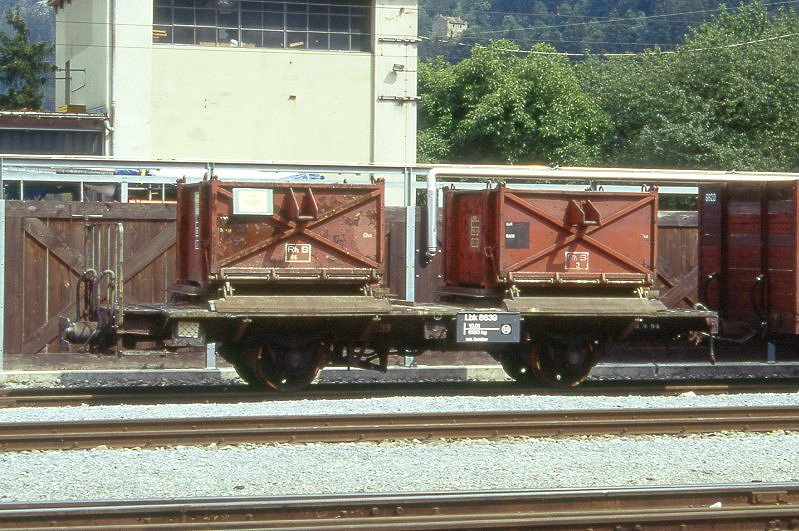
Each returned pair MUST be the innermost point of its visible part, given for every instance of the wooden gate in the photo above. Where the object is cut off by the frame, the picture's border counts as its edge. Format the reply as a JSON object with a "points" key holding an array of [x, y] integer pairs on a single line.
{"points": [[678, 238], [44, 258]]}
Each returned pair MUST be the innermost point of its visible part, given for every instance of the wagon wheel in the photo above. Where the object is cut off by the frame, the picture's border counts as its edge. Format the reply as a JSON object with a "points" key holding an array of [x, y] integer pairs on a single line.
{"points": [[235, 355], [563, 364], [287, 363], [517, 366], [247, 373]]}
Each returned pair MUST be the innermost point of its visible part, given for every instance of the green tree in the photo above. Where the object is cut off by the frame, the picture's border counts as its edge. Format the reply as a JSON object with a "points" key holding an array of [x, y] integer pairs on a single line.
{"points": [[24, 65], [497, 106], [728, 98]]}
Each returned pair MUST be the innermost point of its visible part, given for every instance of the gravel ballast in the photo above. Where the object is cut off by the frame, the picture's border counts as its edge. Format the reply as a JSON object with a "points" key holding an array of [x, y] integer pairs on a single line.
{"points": [[399, 466], [399, 404]]}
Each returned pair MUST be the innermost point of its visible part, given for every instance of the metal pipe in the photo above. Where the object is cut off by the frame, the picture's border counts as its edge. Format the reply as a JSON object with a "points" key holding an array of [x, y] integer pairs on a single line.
{"points": [[577, 173], [194, 168], [2, 269], [432, 214], [609, 174], [410, 234], [110, 53], [120, 274]]}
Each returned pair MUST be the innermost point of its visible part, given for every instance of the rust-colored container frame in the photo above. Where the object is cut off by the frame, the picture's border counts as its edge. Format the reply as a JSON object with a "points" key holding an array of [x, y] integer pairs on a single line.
{"points": [[503, 226], [31, 328], [581, 220], [309, 233]]}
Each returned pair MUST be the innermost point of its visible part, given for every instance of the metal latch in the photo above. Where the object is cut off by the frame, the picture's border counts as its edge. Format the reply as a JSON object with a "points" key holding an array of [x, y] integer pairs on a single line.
{"points": [[582, 213], [308, 210]]}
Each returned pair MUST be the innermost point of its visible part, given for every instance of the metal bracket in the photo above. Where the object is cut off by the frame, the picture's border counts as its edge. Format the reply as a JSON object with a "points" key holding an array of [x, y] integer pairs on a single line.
{"points": [[776, 497], [399, 99], [227, 289], [403, 40]]}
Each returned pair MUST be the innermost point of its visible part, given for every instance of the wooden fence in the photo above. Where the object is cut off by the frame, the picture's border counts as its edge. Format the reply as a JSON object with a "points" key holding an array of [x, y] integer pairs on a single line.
{"points": [[45, 257]]}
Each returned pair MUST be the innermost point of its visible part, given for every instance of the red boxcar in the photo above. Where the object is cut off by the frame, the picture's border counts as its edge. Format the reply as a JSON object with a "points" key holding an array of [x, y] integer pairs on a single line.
{"points": [[259, 234], [748, 259], [500, 237]]}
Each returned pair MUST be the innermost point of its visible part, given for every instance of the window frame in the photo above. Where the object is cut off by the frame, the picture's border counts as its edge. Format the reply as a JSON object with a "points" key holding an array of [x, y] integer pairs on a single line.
{"points": [[316, 25]]}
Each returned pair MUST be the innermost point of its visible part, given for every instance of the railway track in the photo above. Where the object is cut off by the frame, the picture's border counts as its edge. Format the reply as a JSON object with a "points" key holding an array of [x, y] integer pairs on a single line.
{"points": [[233, 394], [729, 507], [140, 433]]}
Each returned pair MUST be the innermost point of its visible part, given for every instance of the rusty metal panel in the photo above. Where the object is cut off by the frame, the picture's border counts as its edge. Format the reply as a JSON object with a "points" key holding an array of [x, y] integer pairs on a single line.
{"points": [[191, 267], [470, 225], [748, 255], [502, 237], [257, 233]]}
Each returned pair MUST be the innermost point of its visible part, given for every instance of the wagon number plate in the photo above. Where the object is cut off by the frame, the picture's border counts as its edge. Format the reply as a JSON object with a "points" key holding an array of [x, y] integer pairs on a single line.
{"points": [[488, 327]]}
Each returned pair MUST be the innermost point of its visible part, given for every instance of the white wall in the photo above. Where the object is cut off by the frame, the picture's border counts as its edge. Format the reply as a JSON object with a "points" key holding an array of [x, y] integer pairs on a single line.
{"points": [[395, 121], [260, 104], [132, 82], [82, 38]]}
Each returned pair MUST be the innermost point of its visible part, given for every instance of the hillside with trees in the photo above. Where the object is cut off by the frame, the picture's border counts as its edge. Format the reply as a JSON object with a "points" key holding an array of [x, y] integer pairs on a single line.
{"points": [[24, 65], [725, 97], [38, 16], [597, 26], [27, 53]]}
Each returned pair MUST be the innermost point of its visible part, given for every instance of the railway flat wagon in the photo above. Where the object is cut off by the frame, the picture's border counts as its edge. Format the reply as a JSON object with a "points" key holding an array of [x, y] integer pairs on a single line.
{"points": [[287, 278]]}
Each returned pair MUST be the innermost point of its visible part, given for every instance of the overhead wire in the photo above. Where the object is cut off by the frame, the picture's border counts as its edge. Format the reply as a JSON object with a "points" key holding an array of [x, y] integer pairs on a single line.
{"points": [[472, 35], [602, 18], [648, 53], [626, 19]]}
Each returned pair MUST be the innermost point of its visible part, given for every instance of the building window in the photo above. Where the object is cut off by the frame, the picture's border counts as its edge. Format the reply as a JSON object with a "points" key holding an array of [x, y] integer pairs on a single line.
{"points": [[294, 24]]}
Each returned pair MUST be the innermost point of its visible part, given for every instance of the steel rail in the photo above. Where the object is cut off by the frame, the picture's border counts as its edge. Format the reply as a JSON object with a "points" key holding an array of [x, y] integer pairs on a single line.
{"points": [[769, 506], [161, 432], [10, 398]]}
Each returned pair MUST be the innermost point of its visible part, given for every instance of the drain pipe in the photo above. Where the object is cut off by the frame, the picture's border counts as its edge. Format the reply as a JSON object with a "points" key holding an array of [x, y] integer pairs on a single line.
{"points": [[432, 214], [571, 173], [108, 123]]}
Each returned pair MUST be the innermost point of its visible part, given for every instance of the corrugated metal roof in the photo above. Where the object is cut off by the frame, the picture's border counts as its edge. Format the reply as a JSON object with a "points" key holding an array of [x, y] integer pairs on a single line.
{"points": [[54, 121]]}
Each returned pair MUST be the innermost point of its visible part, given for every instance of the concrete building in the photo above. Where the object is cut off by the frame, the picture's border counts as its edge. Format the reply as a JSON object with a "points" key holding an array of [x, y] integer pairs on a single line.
{"points": [[290, 80]]}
